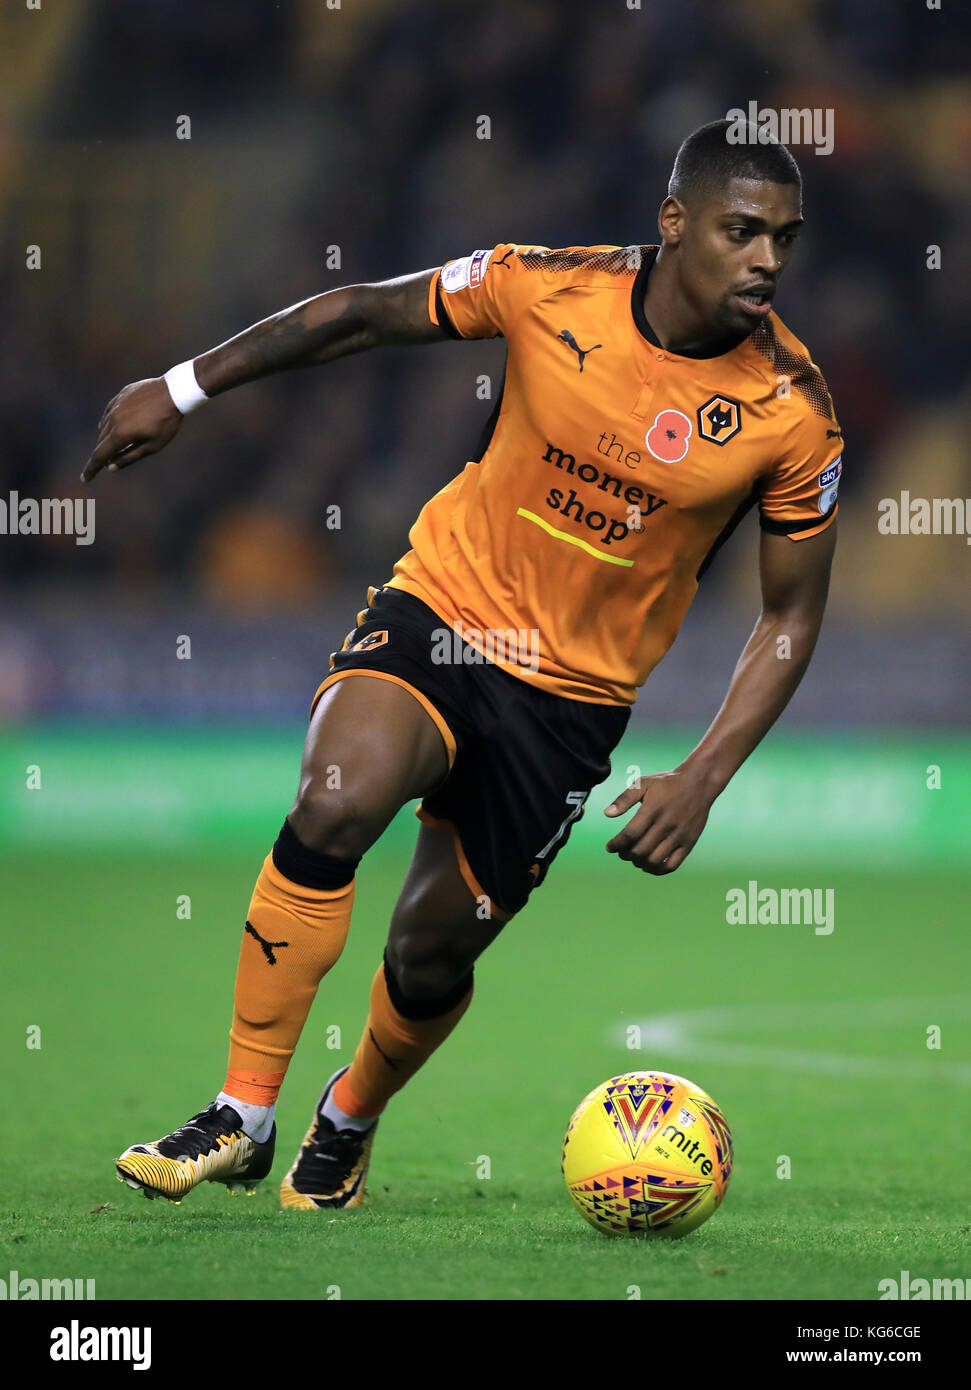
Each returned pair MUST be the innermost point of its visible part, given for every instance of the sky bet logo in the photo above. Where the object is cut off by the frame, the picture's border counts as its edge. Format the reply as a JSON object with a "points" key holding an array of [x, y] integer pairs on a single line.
{"points": [[829, 482]]}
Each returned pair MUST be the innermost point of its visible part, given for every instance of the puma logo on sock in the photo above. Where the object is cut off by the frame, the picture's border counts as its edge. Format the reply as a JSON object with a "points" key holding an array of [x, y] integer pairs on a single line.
{"points": [[390, 1060], [267, 947]]}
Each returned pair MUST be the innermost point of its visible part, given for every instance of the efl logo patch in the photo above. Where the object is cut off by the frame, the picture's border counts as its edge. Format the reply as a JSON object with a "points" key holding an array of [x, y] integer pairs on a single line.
{"points": [[668, 437], [464, 273], [719, 419], [373, 639]]}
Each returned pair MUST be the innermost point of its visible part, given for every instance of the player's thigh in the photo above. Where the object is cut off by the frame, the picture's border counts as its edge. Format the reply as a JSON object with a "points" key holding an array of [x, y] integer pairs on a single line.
{"points": [[438, 927], [370, 748]]}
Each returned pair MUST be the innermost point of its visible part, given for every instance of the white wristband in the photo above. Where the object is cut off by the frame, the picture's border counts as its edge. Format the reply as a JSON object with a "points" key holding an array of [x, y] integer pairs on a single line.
{"points": [[185, 391]]}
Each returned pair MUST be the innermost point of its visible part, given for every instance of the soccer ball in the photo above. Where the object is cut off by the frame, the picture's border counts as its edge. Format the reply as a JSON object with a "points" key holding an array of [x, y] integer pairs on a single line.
{"points": [[647, 1154]]}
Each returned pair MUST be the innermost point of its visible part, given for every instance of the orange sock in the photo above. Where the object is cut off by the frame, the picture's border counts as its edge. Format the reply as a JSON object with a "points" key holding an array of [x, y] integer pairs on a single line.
{"points": [[392, 1048], [293, 935]]}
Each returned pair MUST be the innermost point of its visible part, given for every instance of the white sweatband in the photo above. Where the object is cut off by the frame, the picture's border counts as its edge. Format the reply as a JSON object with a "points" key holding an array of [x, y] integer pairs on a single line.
{"points": [[185, 391]]}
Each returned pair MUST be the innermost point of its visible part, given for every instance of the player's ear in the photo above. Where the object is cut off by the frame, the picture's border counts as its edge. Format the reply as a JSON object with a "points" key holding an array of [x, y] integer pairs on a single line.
{"points": [[670, 220]]}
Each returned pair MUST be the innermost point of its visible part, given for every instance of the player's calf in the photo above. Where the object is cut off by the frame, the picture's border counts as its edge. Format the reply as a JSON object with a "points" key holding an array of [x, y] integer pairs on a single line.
{"points": [[330, 1169]]}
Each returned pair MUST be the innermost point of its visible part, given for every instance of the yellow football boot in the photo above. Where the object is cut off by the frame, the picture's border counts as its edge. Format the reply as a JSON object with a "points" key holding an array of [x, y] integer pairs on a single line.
{"points": [[211, 1147], [331, 1165]]}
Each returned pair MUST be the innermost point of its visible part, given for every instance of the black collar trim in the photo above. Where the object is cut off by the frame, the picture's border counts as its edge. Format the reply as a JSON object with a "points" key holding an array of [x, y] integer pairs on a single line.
{"points": [[639, 290]]}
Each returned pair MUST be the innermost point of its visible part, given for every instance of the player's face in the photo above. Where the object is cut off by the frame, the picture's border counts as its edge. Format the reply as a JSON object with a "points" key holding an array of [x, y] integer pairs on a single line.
{"points": [[735, 247]]}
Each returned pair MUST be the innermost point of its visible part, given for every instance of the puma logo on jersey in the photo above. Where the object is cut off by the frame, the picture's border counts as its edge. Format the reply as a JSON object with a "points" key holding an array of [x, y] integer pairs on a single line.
{"points": [[267, 947], [567, 337]]}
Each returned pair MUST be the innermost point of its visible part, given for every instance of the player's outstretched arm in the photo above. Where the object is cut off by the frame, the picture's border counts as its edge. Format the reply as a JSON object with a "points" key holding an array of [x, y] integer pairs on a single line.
{"points": [[674, 806], [144, 417]]}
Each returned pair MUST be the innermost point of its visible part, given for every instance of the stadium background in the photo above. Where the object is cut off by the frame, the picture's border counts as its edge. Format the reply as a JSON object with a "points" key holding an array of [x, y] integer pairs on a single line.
{"points": [[354, 128]]}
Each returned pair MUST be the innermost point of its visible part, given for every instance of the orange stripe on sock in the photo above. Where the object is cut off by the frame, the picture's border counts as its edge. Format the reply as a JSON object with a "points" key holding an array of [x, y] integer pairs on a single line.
{"points": [[254, 1087], [346, 1100]]}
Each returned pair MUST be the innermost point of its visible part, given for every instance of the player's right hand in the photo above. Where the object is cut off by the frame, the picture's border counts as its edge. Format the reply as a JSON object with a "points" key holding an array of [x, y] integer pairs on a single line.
{"points": [[140, 420]]}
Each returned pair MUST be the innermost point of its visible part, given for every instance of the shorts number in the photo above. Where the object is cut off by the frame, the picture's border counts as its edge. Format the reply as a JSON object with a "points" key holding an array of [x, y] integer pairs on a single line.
{"points": [[575, 800]]}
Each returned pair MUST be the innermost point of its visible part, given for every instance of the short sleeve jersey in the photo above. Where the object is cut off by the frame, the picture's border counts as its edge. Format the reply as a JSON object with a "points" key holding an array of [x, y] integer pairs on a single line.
{"points": [[612, 468]]}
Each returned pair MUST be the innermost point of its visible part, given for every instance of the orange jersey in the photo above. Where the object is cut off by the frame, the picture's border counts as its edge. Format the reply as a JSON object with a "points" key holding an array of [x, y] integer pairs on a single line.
{"points": [[613, 468]]}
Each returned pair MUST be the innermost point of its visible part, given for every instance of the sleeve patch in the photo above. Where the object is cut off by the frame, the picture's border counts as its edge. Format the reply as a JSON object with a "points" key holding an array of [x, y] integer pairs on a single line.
{"points": [[829, 481], [465, 273]]}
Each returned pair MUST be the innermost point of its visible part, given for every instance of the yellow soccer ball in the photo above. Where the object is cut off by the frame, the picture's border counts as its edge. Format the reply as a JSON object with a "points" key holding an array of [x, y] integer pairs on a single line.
{"points": [[647, 1154]]}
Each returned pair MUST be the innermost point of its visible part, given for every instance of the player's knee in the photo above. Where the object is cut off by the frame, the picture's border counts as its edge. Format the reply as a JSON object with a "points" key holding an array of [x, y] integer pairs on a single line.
{"points": [[426, 971], [334, 821]]}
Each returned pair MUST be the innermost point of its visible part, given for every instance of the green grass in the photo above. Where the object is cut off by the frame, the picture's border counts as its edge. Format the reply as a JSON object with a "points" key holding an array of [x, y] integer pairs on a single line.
{"points": [[820, 1056]]}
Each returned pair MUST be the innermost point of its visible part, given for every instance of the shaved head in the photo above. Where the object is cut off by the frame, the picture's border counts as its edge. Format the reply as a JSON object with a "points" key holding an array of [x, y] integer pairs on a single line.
{"points": [[707, 162]]}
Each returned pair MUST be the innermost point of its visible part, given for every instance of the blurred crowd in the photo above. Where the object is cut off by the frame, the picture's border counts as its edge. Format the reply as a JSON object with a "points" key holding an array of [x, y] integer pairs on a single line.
{"points": [[334, 145]]}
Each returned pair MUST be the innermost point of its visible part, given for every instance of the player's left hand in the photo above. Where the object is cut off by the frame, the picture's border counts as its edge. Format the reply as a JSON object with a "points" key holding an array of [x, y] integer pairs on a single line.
{"points": [[140, 420], [673, 813]]}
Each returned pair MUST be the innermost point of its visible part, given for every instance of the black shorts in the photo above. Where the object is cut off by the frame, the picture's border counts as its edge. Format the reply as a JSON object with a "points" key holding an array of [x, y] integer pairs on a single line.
{"points": [[522, 761]]}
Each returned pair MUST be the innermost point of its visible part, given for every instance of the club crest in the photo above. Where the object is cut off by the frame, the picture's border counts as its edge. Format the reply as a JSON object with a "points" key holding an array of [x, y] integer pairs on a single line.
{"points": [[719, 419]]}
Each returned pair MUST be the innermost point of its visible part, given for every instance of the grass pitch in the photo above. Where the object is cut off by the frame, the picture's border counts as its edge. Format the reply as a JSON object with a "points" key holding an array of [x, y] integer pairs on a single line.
{"points": [[815, 1047]]}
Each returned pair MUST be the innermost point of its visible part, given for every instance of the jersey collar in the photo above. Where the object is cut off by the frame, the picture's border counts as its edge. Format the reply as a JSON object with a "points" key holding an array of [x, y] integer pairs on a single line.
{"points": [[648, 257]]}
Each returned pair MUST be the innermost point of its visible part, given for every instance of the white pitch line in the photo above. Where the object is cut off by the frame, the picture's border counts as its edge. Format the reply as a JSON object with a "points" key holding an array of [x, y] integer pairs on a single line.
{"points": [[697, 1033]]}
